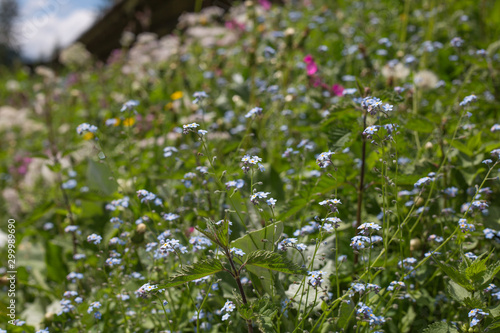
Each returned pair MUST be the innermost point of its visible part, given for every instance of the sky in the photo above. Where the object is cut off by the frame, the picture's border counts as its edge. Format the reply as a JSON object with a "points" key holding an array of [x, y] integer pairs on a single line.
{"points": [[45, 24]]}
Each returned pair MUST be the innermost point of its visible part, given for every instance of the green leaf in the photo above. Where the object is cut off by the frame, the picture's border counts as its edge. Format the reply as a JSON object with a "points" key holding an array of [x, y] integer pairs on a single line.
{"points": [[407, 320], [492, 326], [219, 234], [99, 178], [475, 142], [420, 124], [222, 232], [207, 234], [462, 148], [345, 314], [476, 269], [441, 327], [338, 137], [494, 311], [266, 311], [39, 212], [455, 275], [260, 310], [262, 239], [474, 303], [458, 292], [273, 261], [490, 273], [294, 206], [274, 180], [56, 269], [193, 272], [305, 197]]}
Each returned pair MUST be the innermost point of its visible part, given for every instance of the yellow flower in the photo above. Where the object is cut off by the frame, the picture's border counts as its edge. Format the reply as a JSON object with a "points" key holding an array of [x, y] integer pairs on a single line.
{"points": [[176, 95], [88, 136], [168, 106], [128, 121]]}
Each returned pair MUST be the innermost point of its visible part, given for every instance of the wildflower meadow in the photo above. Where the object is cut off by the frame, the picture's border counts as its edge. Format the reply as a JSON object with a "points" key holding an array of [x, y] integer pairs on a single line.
{"points": [[312, 166]]}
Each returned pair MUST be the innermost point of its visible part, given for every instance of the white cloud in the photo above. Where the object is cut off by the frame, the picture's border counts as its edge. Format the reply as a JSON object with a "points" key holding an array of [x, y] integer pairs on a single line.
{"points": [[43, 27]]}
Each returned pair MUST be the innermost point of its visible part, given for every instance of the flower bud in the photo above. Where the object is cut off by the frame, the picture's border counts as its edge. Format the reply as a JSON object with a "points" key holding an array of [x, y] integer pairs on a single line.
{"points": [[141, 228], [415, 244]]}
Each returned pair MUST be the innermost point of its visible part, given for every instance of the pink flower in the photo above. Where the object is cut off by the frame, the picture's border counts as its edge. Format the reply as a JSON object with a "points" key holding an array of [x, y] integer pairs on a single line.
{"points": [[337, 89], [266, 4], [22, 170], [316, 82], [233, 25], [308, 59], [311, 68]]}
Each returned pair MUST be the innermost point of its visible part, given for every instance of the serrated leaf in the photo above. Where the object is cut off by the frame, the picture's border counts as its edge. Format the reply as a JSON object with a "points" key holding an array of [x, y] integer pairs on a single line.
{"points": [[246, 311], [223, 233], [219, 234], [492, 326], [490, 273], [273, 261], [494, 311], [441, 327], [258, 240], [338, 137], [193, 272], [476, 269], [266, 311], [474, 303], [207, 234], [261, 239], [455, 275], [303, 198], [458, 292]]}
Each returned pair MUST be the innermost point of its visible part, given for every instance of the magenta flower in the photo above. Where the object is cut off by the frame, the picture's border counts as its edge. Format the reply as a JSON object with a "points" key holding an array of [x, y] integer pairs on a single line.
{"points": [[266, 4], [308, 59], [311, 68], [337, 89]]}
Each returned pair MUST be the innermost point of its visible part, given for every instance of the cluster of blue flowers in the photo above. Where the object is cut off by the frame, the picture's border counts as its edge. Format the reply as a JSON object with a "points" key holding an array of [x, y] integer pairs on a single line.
{"points": [[374, 104], [93, 306], [291, 243], [227, 308], [94, 238], [408, 265], [147, 197], [118, 203], [476, 315], [367, 315], [85, 128], [315, 278], [251, 161], [464, 226]]}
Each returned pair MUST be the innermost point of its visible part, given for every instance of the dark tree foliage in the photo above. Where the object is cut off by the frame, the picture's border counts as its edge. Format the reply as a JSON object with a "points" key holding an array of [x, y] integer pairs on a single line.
{"points": [[9, 12]]}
